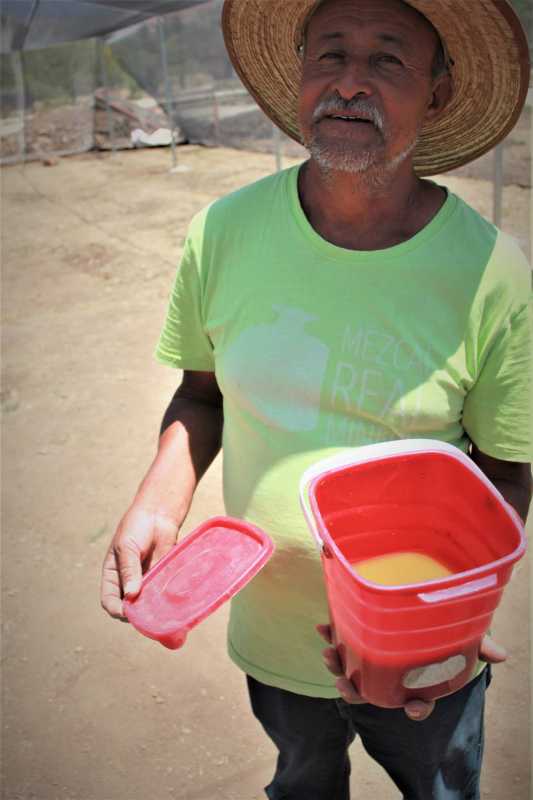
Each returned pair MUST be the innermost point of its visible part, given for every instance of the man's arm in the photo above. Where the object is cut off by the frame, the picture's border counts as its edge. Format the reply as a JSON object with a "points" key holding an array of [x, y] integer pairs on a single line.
{"points": [[190, 438], [512, 479]]}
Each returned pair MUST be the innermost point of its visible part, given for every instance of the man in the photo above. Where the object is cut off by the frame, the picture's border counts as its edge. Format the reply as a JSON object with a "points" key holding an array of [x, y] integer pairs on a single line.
{"points": [[341, 303]]}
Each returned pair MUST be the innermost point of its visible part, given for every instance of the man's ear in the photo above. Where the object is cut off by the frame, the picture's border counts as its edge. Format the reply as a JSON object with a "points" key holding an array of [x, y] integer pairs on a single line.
{"points": [[441, 95]]}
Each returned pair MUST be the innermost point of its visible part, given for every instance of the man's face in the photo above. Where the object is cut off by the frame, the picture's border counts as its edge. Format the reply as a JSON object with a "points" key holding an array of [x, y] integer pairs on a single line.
{"points": [[366, 84]]}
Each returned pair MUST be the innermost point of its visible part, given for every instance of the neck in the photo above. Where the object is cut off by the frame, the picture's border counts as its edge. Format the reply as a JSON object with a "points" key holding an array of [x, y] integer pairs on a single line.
{"points": [[358, 212]]}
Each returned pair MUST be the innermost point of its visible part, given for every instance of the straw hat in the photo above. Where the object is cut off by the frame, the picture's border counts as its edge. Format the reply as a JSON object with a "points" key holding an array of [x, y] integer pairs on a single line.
{"points": [[484, 39]]}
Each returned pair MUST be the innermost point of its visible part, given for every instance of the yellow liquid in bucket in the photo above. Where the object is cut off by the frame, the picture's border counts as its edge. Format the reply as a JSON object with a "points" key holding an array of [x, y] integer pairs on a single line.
{"points": [[396, 569]]}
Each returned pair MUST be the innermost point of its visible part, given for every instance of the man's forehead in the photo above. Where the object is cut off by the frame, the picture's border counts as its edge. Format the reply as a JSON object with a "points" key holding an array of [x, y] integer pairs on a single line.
{"points": [[397, 18], [384, 36]]}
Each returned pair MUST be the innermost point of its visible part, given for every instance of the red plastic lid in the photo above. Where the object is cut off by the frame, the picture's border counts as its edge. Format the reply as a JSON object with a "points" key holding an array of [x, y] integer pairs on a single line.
{"points": [[199, 574]]}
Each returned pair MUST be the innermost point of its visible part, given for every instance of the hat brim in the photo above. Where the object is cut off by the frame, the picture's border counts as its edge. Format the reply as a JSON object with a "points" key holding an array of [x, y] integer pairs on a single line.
{"points": [[490, 72]]}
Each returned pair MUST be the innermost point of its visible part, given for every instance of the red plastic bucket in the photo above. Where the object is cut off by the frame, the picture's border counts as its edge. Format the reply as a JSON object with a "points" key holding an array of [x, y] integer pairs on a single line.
{"points": [[418, 640]]}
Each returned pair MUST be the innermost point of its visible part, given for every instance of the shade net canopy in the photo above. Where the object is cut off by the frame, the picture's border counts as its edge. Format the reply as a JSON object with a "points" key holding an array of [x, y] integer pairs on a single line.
{"points": [[163, 71], [78, 75], [34, 24]]}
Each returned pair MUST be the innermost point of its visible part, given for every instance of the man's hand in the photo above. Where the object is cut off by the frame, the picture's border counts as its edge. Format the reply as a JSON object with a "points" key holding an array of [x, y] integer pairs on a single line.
{"points": [[190, 438], [416, 710], [141, 540]]}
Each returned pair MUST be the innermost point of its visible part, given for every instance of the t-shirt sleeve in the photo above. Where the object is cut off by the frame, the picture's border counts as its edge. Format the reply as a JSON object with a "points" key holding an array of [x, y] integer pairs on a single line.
{"points": [[184, 342], [498, 410]]}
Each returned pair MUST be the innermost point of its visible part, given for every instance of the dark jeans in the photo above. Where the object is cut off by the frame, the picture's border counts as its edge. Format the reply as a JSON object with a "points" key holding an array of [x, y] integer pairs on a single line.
{"points": [[437, 759]]}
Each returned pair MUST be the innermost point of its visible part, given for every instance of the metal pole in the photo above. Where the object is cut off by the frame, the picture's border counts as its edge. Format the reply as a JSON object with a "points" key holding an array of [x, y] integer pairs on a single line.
{"points": [[105, 86], [498, 185], [18, 70], [216, 118], [277, 146], [168, 94]]}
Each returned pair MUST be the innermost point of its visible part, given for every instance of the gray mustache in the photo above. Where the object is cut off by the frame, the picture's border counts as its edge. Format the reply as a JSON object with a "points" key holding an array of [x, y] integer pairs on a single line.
{"points": [[336, 105]]}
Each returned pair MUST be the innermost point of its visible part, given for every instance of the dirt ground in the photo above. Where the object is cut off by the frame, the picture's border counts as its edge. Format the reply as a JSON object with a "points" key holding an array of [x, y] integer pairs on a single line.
{"points": [[91, 709]]}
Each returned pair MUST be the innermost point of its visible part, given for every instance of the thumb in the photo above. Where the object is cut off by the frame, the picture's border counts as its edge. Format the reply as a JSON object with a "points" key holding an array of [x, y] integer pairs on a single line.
{"points": [[325, 632], [419, 710], [129, 567], [491, 652]]}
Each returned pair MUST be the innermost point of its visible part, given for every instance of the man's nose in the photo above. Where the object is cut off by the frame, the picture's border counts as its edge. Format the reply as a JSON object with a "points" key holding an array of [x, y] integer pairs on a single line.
{"points": [[354, 80]]}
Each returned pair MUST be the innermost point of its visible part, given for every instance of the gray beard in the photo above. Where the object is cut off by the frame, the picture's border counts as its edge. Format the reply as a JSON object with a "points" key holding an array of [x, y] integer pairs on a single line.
{"points": [[367, 166]]}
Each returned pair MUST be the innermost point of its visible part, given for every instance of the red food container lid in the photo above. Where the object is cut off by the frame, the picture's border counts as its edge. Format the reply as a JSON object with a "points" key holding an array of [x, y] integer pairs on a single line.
{"points": [[201, 572]]}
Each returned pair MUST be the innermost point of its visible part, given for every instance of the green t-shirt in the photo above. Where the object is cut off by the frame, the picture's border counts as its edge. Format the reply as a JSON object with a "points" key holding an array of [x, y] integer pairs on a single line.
{"points": [[317, 348]]}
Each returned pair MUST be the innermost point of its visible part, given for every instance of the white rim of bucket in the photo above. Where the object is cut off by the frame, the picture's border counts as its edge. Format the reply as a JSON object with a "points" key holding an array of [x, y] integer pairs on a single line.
{"points": [[373, 452]]}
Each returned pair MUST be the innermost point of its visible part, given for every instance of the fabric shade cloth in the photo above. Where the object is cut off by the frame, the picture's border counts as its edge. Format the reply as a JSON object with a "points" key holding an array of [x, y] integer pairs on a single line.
{"points": [[35, 24]]}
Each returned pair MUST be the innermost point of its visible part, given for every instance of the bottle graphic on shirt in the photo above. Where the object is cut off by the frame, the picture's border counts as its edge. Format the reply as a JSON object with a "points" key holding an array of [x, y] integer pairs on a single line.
{"points": [[278, 370]]}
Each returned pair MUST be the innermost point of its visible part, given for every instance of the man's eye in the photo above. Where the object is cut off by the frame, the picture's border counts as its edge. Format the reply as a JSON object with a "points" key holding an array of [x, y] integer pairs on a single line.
{"points": [[388, 58], [331, 55]]}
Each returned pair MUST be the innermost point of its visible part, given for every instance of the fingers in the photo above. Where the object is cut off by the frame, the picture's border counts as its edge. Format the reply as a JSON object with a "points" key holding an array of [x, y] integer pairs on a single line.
{"points": [[419, 710], [166, 533], [330, 655], [348, 692], [141, 540], [325, 632], [121, 573], [128, 557], [346, 689], [491, 652], [332, 661], [110, 593], [136, 538]]}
